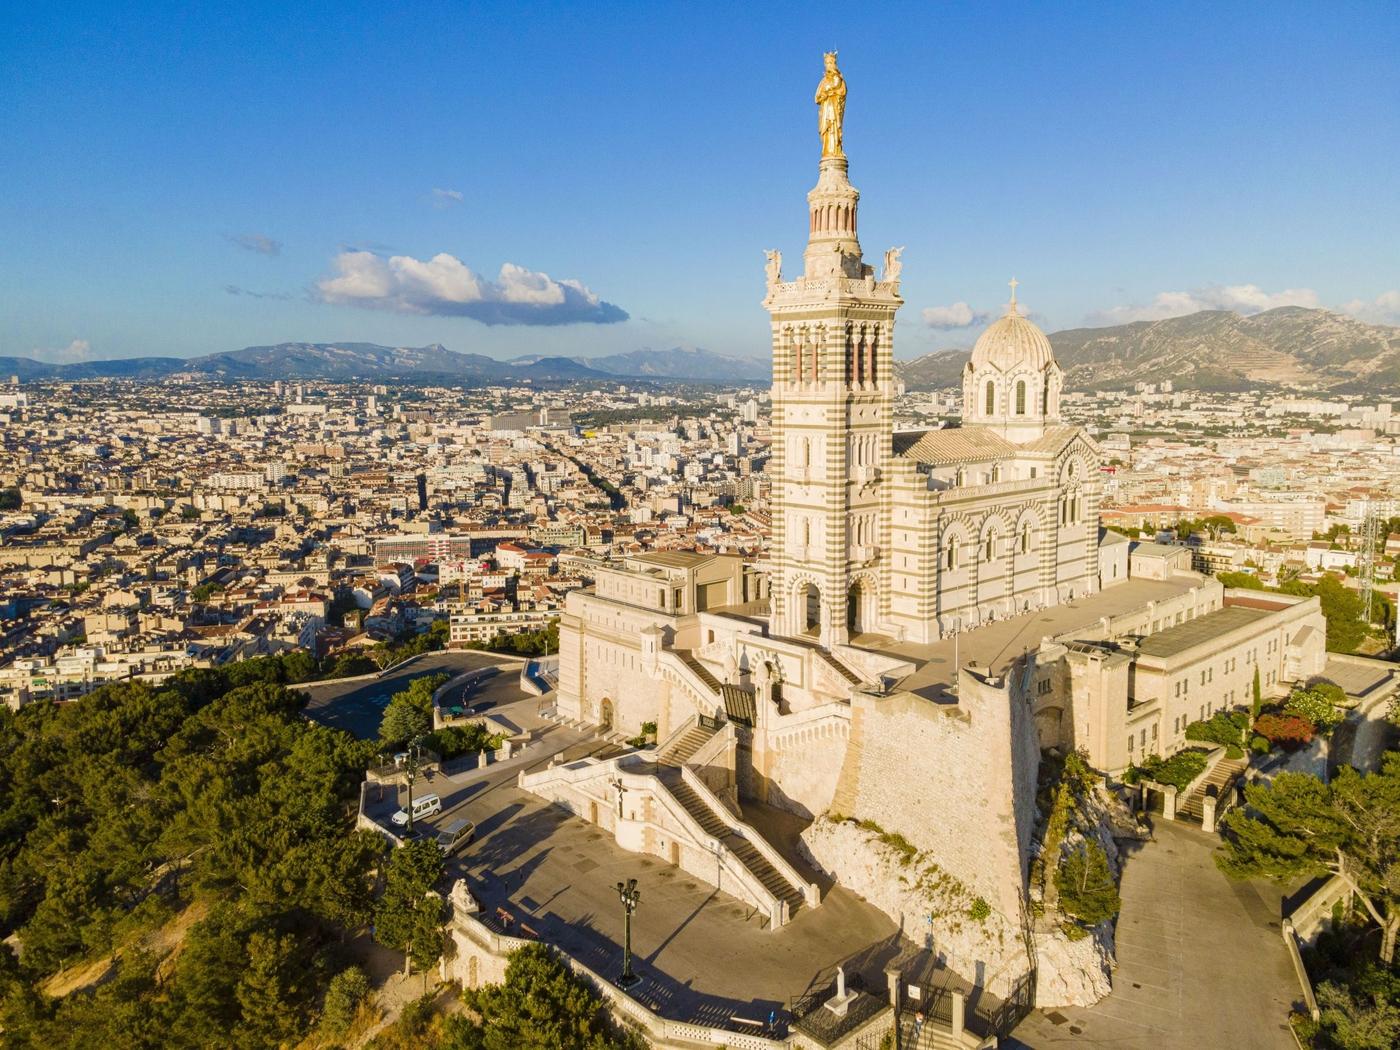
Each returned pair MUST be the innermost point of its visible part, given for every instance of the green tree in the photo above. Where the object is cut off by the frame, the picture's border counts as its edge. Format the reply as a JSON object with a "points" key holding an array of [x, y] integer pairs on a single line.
{"points": [[410, 873], [427, 937], [1086, 886], [542, 1005], [402, 722], [270, 989], [1364, 1012], [346, 991], [409, 713], [1256, 697], [1300, 827]]}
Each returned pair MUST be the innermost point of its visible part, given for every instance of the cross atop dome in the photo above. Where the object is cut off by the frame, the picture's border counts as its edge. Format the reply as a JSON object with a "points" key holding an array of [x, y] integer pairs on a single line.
{"points": [[1011, 306]]}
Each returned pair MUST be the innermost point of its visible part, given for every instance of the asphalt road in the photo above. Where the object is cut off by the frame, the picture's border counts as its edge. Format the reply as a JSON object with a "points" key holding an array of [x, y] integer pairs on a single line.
{"points": [[1201, 961], [357, 706]]}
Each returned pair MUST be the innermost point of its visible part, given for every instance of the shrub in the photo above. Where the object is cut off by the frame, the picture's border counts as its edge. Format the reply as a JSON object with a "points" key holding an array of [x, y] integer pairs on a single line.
{"points": [[1290, 732], [1179, 770], [343, 996], [1315, 707], [451, 741], [1331, 691], [979, 910], [1260, 744], [1222, 728], [1234, 752]]}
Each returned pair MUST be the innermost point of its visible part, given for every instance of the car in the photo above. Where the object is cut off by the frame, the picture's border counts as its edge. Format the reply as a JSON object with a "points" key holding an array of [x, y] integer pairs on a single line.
{"points": [[423, 806], [455, 835]]}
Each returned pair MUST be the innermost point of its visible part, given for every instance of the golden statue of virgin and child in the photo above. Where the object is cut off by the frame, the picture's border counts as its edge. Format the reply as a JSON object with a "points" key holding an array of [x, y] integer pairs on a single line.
{"points": [[831, 107]]}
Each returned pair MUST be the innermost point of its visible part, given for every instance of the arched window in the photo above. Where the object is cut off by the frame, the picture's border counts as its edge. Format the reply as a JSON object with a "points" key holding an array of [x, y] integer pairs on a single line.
{"points": [[989, 551], [950, 554], [1020, 397], [991, 399], [806, 533], [1025, 537]]}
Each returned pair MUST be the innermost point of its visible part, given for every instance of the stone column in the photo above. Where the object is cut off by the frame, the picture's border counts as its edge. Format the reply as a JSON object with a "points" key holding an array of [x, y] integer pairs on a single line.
{"points": [[892, 978], [1208, 813], [959, 1014], [1168, 802]]}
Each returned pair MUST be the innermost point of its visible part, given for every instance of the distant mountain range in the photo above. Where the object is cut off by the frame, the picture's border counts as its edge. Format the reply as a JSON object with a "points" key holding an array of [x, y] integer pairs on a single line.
{"points": [[1212, 350], [340, 361]]}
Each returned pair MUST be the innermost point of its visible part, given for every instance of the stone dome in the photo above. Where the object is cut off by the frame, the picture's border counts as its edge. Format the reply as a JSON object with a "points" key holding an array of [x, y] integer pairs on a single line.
{"points": [[1012, 342]]}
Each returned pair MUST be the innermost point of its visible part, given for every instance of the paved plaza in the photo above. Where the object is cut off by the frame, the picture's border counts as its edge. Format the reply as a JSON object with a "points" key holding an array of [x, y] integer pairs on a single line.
{"points": [[1201, 960], [702, 955]]}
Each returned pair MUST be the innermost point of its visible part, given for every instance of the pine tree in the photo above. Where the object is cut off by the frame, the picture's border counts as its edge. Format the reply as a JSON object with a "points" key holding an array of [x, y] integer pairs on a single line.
{"points": [[1087, 890], [1350, 828]]}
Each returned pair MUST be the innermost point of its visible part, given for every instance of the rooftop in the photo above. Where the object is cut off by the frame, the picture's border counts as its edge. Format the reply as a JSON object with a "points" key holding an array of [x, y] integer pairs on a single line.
{"points": [[996, 645], [1203, 629]]}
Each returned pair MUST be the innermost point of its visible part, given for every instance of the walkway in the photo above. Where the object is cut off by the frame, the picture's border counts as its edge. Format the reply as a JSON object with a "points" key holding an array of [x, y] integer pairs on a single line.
{"points": [[1201, 962]]}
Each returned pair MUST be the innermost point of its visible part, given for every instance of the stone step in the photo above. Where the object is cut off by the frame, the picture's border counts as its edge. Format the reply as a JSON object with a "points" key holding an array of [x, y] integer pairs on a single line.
{"points": [[744, 850], [680, 752], [687, 657], [1224, 774]]}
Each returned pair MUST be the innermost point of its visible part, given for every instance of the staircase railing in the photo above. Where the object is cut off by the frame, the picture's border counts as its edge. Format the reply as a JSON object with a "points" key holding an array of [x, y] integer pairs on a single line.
{"points": [[675, 735], [811, 894]]}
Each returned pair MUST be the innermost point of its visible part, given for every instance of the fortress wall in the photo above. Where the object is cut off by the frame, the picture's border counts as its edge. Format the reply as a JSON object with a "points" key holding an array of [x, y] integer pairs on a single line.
{"points": [[955, 781]]}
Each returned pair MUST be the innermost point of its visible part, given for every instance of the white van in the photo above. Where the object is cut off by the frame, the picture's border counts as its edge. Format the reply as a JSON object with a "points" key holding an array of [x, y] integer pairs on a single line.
{"points": [[456, 835], [423, 806]]}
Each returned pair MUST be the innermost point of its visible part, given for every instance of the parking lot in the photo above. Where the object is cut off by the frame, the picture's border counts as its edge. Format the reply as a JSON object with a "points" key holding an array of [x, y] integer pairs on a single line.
{"points": [[357, 705]]}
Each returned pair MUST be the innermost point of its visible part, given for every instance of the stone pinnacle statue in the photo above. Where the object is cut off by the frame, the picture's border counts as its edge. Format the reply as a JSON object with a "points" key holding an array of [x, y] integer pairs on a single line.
{"points": [[831, 107]]}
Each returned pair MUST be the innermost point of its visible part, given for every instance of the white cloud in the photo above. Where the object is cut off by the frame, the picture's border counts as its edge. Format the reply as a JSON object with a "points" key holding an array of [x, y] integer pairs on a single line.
{"points": [[1384, 309], [1241, 298], [255, 242], [441, 198], [77, 350], [445, 286], [958, 315]]}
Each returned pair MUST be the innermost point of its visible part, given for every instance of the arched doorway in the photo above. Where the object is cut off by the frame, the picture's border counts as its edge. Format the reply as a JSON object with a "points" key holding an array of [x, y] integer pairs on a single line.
{"points": [[809, 605], [858, 612], [605, 714]]}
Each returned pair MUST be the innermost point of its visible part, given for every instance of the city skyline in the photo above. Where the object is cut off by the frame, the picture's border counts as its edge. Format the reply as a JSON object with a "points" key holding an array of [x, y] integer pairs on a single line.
{"points": [[414, 194]]}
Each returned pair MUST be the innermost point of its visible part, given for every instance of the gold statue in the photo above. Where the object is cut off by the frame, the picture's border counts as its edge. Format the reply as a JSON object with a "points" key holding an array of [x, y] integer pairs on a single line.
{"points": [[831, 107]]}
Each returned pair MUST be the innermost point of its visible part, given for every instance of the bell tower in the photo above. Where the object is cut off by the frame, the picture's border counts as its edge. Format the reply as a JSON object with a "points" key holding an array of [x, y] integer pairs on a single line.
{"points": [[833, 391]]}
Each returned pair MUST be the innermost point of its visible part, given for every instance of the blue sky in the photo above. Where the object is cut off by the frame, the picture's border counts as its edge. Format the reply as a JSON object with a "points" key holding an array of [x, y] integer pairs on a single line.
{"points": [[188, 179]]}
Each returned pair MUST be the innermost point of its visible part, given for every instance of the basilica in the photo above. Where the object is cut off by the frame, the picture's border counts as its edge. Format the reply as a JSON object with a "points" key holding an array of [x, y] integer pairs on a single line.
{"points": [[938, 609]]}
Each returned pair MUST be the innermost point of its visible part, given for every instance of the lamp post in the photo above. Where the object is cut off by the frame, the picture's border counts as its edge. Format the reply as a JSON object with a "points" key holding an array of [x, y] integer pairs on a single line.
{"points": [[411, 771], [630, 896]]}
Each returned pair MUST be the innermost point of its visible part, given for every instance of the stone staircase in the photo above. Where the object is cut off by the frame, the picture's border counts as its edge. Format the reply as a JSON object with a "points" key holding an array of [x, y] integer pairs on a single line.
{"points": [[831, 660], [701, 672], [1221, 777], [714, 826], [677, 752]]}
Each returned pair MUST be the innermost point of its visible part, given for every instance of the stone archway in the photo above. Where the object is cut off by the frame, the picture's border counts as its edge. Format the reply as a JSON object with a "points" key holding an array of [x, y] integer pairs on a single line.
{"points": [[860, 607], [809, 609], [605, 714]]}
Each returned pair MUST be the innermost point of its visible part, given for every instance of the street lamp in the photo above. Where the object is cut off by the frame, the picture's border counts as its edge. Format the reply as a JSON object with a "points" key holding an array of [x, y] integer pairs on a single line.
{"points": [[630, 897], [415, 746]]}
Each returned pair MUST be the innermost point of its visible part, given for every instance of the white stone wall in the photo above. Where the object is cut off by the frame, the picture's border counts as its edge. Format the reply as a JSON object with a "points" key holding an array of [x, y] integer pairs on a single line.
{"points": [[956, 781]]}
